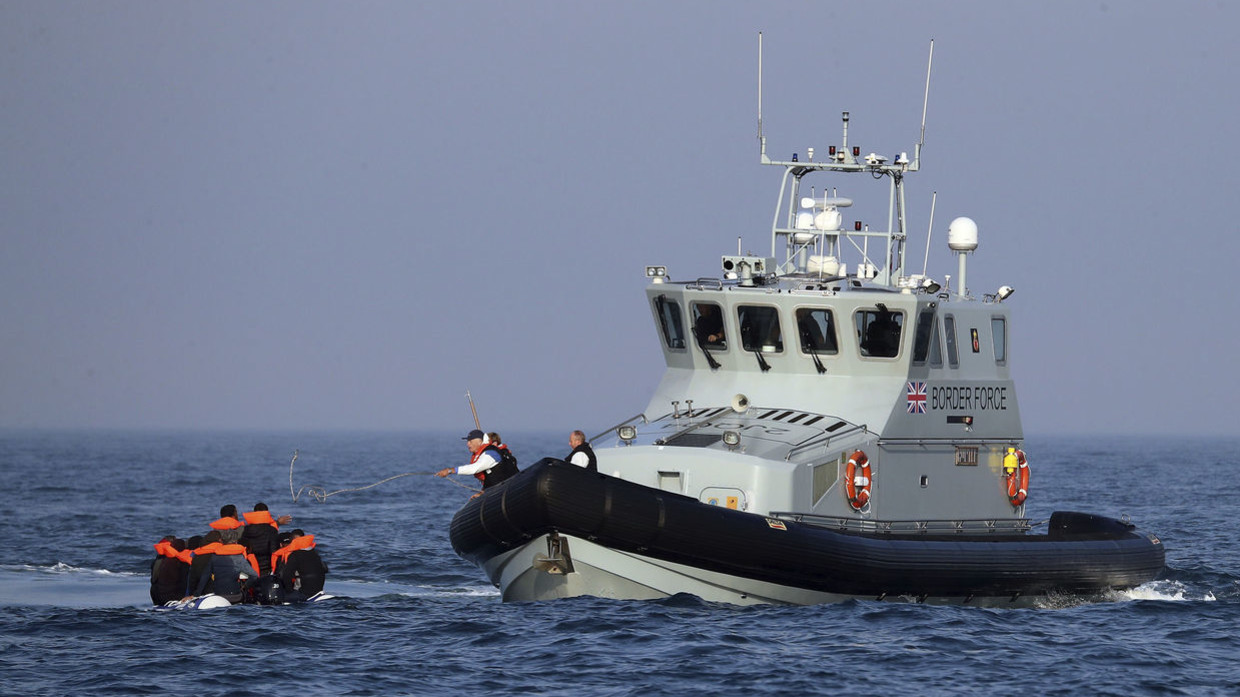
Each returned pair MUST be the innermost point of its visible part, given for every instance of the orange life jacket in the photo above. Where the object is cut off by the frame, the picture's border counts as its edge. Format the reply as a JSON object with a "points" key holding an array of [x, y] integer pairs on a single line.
{"points": [[207, 549], [225, 550], [165, 549], [226, 524], [260, 517], [281, 555], [499, 449]]}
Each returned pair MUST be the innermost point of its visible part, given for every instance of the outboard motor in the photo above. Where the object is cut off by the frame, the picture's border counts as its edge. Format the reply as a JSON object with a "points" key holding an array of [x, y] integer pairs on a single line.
{"points": [[265, 590]]}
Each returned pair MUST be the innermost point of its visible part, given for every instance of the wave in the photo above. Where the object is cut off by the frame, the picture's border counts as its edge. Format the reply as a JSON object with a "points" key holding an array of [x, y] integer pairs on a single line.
{"points": [[61, 568], [1168, 590]]}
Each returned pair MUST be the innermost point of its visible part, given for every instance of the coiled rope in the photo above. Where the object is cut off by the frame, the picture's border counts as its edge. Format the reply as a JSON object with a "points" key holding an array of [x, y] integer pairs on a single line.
{"points": [[320, 493]]}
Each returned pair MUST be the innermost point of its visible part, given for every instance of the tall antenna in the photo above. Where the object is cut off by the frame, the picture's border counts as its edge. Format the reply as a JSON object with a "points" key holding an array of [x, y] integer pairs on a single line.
{"points": [[761, 138], [924, 106]]}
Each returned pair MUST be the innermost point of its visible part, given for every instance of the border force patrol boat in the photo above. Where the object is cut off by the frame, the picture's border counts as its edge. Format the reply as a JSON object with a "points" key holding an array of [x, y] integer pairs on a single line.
{"points": [[829, 426]]}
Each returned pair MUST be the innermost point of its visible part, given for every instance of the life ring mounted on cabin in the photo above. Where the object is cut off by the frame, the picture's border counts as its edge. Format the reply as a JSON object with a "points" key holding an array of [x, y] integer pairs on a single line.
{"points": [[1017, 478], [858, 479]]}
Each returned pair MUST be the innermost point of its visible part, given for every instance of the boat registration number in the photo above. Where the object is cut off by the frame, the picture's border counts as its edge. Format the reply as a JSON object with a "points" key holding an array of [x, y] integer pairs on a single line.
{"points": [[966, 456]]}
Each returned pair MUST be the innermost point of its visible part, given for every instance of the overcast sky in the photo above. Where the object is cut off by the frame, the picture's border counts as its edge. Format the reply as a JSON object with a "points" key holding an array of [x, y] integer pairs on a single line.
{"points": [[343, 215]]}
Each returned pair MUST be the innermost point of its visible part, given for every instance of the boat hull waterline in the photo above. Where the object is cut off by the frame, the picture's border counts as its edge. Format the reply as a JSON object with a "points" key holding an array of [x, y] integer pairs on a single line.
{"points": [[557, 530]]}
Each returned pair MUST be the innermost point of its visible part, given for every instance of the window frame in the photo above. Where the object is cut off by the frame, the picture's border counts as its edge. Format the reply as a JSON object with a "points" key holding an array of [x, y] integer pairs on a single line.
{"points": [[928, 345], [949, 335], [863, 327], [744, 340], [694, 315], [660, 301], [999, 342], [831, 326]]}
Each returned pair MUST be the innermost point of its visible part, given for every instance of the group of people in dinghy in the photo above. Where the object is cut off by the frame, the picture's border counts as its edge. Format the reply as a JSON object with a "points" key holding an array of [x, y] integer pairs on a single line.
{"points": [[242, 561]]}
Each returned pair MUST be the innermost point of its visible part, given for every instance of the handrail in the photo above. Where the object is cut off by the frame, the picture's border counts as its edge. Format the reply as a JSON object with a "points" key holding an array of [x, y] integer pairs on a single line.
{"points": [[824, 438], [631, 419], [921, 527], [700, 284], [945, 441], [702, 420]]}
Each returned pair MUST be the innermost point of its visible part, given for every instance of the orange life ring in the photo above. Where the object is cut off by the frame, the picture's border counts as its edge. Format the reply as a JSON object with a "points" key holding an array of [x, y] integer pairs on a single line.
{"points": [[857, 480], [1018, 480]]}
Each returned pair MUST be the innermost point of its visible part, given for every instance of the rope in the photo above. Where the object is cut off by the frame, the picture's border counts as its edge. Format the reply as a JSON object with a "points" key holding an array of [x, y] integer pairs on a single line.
{"points": [[320, 493]]}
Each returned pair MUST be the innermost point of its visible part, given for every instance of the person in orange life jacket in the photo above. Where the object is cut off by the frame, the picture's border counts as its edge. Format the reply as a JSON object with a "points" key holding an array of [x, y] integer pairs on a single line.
{"points": [[506, 456], [169, 570], [228, 519], [582, 455], [201, 549], [490, 463], [230, 566], [262, 535], [300, 568]]}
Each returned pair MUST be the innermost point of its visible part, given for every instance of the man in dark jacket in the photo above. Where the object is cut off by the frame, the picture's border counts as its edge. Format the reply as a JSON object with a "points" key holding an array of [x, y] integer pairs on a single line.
{"points": [[300, 568], [228, 569], [582, 455], [203, 548], [261, 536], [168, 570]]}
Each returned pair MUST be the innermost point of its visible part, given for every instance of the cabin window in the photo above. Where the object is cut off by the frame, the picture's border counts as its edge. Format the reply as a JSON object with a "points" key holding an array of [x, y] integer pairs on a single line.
{"points": [[878, 332], [936, 346], [670, 321], [817, 331], [998, 335], [926, 341], [760, 328], [949, 333], [708, 325]]}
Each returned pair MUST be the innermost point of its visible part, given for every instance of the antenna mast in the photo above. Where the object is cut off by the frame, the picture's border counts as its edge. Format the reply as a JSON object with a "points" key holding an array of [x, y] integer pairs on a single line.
{"points": [[761, 138], [924, 105]]}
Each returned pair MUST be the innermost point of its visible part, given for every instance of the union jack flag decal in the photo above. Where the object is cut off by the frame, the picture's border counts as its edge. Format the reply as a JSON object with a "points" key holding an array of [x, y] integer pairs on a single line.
{"points": [[916, 397]]}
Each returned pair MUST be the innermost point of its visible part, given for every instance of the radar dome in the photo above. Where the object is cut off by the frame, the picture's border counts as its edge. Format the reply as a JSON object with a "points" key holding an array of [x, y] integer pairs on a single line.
{"points": [[962, 235]]}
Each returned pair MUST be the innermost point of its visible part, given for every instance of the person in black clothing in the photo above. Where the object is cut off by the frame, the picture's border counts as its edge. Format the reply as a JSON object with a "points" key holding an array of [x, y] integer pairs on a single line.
{"points": [[302, 570], [227, 570], [203, 548], [882, 336], [168, 572], [582, 455], [261, 537], [708, 325]]}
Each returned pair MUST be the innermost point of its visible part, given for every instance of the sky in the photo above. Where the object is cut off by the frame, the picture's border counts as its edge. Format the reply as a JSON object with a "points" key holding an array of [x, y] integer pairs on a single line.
{"points": [[312, 215]]}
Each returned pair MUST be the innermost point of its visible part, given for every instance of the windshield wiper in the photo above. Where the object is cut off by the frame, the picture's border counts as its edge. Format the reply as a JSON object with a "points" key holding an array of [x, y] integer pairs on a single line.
{"points": [[697, 336], [761, 361], [807, 345]]}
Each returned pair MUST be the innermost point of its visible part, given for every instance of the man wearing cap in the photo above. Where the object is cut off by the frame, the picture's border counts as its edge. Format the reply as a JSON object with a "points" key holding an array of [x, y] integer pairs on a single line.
{"points": [[488, 463]]}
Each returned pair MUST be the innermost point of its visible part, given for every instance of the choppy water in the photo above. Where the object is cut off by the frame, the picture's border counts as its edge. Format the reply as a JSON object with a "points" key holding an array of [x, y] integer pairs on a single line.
{"points": [[81, 512]]}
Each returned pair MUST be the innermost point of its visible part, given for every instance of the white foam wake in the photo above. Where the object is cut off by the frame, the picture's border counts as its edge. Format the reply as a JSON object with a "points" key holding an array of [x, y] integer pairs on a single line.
{"points": [[1173, 591]]}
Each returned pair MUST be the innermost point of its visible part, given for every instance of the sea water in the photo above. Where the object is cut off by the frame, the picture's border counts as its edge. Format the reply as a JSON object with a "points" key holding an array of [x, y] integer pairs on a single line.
{"points": [[81, 512]]}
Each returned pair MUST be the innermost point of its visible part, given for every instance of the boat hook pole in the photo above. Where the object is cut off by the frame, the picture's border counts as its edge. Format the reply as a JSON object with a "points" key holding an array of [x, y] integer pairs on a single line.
{"points": [[473, 409]]}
